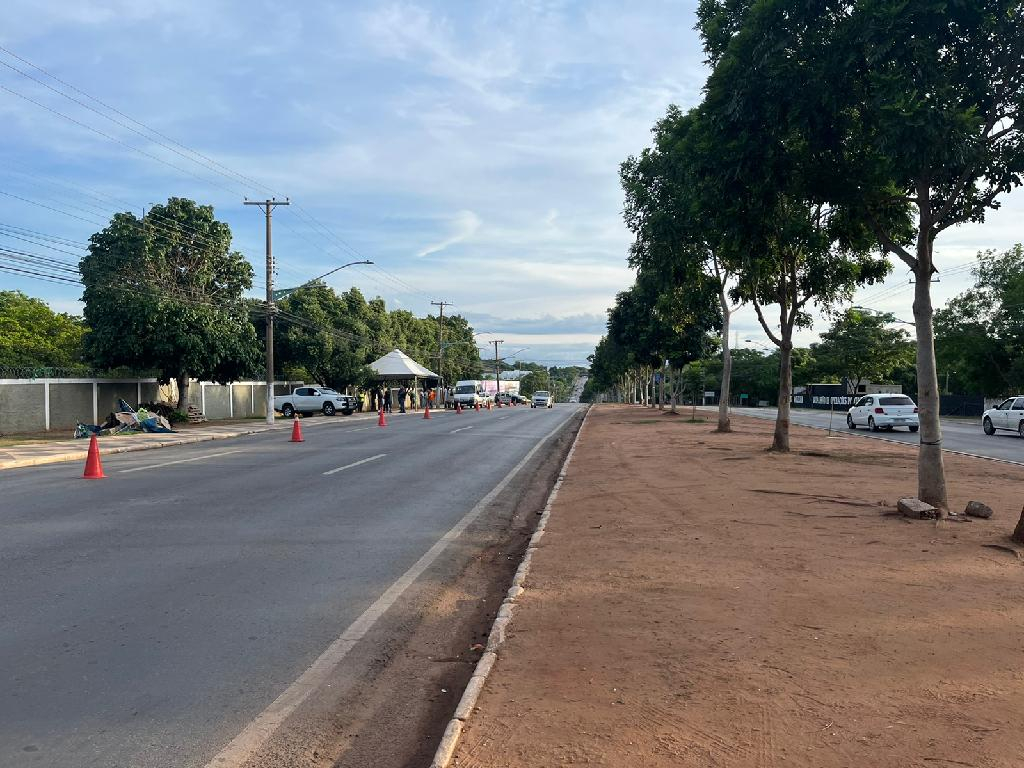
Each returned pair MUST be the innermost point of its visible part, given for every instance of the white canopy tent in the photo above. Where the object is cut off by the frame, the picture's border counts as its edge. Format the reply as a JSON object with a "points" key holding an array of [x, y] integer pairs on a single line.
{"points": [[398, 366]]}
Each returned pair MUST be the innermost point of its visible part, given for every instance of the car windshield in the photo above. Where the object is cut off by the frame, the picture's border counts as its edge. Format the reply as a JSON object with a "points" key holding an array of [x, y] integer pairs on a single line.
{"points": [[465, 389], [541, 393], [901, 400]]}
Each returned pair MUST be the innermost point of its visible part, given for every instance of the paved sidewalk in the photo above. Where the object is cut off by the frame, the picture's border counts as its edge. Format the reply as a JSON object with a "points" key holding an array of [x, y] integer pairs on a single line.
{"points": [[697, 601], [31, 454]]}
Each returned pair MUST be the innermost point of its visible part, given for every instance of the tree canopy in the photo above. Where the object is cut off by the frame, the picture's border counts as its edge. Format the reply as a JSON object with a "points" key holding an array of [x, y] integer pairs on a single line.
{"points": [[165, 293], [34, 336]]}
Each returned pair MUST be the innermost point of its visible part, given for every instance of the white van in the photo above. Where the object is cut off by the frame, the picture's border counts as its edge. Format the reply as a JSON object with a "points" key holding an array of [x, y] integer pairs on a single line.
{"points": [[470, 393]]}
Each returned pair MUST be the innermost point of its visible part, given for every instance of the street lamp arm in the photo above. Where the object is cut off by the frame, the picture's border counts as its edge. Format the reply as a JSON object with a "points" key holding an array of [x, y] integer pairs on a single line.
{"points": [[331, 272]]}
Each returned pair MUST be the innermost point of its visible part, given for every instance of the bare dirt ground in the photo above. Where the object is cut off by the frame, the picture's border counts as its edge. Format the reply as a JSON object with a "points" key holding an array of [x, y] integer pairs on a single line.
{"points": [[698, 601]]}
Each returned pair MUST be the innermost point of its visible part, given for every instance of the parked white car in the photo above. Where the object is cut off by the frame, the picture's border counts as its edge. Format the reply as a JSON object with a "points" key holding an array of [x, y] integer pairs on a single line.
{"points": [[542, 399], [1008, 415], [883, 411], [309, 400]]}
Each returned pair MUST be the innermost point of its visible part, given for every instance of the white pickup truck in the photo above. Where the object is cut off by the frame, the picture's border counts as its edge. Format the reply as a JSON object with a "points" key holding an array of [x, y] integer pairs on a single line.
{"points": [[309, 400]]}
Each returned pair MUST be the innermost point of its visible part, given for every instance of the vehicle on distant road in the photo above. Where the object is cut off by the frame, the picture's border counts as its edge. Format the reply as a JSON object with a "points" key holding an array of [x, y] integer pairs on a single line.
{"points": [[1008, 415], [506, 398], [542, 399], [883, 411], [310, 400]]}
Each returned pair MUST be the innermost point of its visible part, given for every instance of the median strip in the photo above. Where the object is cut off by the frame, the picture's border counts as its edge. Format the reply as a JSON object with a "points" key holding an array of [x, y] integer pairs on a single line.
{"points": [[355, 464], [178, 461]]}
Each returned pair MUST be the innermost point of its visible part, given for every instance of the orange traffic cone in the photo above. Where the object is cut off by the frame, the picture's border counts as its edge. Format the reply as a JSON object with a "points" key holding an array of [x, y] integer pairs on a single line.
{"points": [[297, 431], [488, 405], [478, 407], [381, 421], [458, 407], [426, 412], [93, 465]]}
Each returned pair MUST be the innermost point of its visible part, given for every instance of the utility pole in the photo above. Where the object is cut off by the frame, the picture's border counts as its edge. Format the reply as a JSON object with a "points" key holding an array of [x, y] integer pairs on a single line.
{"points": [[268, 208], [497, 367], [440, 338]]}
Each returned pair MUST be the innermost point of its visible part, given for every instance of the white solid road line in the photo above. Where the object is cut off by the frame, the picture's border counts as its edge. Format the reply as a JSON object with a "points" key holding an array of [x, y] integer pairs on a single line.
{"points": [[256, 733], [460, 429], [355, 464], [179, 461]]}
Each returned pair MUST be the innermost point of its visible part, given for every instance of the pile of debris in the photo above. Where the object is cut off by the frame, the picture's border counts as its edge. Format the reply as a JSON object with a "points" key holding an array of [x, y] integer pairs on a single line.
{"points": [[126, 419]]}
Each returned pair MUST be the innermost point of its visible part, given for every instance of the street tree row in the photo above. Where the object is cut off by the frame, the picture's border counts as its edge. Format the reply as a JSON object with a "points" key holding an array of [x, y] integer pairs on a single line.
{"points": [[831, 136]]}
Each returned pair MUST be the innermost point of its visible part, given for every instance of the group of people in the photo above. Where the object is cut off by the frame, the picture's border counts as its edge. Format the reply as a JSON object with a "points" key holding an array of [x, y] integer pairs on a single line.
{"points": [[385, 398]]}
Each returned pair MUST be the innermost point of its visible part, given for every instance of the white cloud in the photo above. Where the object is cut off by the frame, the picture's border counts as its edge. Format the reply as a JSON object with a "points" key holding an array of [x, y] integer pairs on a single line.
{"points": [[465, 224]]}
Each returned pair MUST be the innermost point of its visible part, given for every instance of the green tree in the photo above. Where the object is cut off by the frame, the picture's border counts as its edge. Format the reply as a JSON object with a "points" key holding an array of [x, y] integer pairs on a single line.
{"points": [[862, 346], [895, 105], [34, 336], [979, 335], [165, 293], [675, 214]]}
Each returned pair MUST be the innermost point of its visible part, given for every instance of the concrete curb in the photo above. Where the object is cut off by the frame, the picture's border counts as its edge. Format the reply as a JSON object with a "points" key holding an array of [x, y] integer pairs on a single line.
{"points": [[450, 740]]}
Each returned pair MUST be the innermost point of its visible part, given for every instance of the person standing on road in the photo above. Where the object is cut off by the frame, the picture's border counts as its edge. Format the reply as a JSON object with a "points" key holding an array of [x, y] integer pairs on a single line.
{"points": [[402, 393], [387, 400]]}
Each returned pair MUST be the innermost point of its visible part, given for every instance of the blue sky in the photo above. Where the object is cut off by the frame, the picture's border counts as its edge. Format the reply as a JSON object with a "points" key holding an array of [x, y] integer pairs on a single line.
{"points": [[470, 149]]}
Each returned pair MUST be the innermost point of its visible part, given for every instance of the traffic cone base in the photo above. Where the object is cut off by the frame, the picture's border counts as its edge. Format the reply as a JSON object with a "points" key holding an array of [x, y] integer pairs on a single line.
{"points": [[381, 421], [93, 465], [297, 431]]}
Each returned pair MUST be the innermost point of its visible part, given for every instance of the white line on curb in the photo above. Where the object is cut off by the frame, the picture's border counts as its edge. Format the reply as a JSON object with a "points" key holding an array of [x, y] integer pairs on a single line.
{"points": [[450, 739], [178, 461], [256, 733], [355, 464]]}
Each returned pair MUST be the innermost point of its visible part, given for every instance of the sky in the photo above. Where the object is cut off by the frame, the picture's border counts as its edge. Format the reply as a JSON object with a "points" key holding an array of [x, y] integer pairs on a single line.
{"points": [[469, 149]]}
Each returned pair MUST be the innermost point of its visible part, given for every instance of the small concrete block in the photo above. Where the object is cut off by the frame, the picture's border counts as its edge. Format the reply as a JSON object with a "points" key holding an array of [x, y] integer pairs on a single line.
{"points": [[917, 509]]}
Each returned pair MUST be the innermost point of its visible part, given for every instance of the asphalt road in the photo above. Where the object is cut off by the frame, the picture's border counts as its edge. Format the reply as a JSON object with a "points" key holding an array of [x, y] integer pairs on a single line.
{"points": [[962, 435], [147, 618]]}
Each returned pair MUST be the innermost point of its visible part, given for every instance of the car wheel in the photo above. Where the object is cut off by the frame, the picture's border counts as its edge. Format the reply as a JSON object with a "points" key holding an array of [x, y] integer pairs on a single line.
{"points": [[986, 425], [849, 422], [328, 409], [287, 411], [1020, 429], [871, 424], [913, 429]]}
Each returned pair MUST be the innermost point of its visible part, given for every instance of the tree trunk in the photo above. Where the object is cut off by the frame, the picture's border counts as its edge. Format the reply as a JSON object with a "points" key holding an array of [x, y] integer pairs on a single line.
{"points": [[781, 441], [661, 390], [675, 391], [931, 475], [182, 382], [724, 422]]}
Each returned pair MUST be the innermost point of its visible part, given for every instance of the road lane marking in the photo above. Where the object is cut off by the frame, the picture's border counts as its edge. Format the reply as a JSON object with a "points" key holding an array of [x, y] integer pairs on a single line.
{"points": [[460, 429], [359, 429], [259, 731], [179, 461], [355, 464], [502, 417]]}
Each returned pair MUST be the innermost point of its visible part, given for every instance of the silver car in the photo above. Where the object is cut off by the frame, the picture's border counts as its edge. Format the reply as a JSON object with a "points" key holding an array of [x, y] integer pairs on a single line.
{"points": [[542, 399], [1008, 415]]}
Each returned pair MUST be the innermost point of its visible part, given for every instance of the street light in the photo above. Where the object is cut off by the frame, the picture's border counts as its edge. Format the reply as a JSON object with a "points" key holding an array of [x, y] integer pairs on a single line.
{"points": [[754, 341], [877, 312]]}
